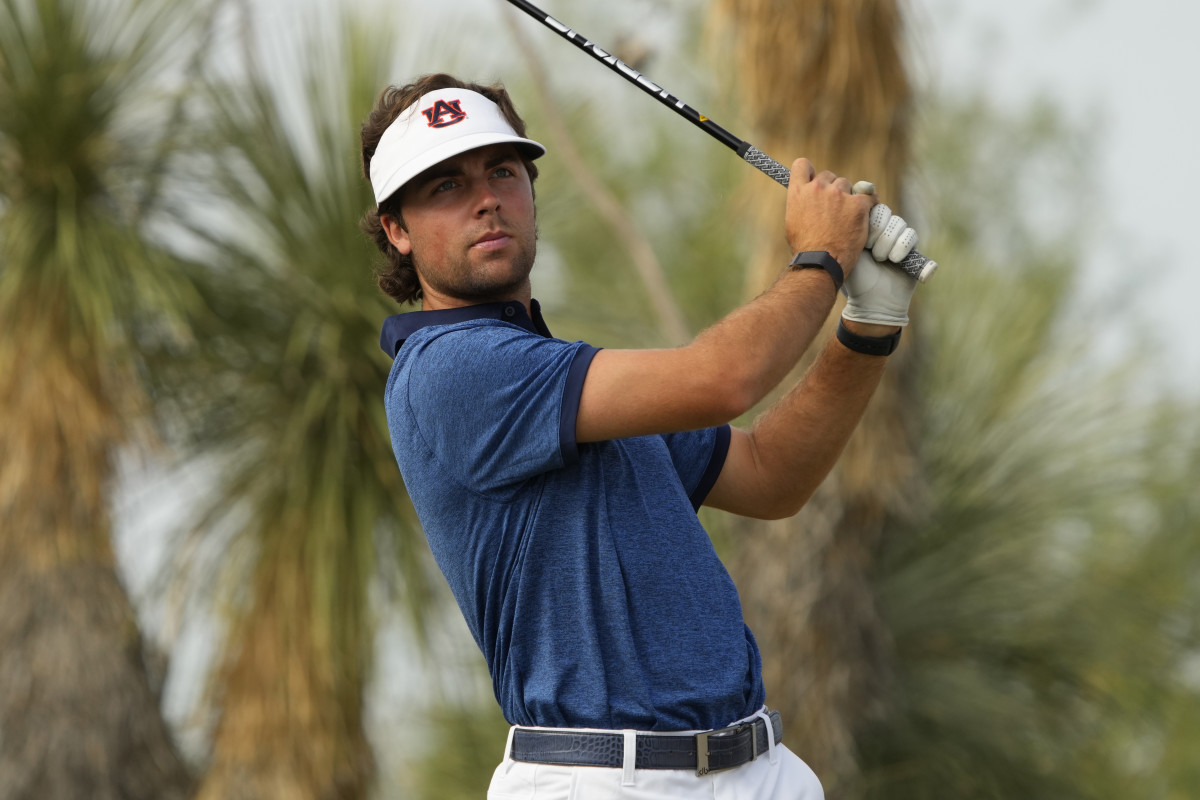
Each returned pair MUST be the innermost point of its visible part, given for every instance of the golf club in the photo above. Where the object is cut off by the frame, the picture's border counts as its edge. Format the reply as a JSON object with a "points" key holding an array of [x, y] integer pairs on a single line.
{"points": [[915, 264]]}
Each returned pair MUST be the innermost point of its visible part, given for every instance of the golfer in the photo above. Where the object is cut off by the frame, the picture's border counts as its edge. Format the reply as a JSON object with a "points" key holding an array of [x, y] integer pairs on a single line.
{"points": [[558, 483]]}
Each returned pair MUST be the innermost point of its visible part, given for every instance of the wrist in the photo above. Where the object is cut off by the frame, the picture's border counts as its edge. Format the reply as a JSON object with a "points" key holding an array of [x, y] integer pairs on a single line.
{"points": [[869, 329], [820, 259]]}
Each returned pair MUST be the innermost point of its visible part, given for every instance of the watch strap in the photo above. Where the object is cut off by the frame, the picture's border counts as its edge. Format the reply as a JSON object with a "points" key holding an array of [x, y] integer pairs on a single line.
{"points": [[868, 345], [820, 259]]}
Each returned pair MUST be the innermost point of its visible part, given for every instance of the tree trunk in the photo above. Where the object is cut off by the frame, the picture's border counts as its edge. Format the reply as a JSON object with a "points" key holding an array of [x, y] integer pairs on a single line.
{"points": [[78, 716], [291, 704], [825, 79], [806, 589]]}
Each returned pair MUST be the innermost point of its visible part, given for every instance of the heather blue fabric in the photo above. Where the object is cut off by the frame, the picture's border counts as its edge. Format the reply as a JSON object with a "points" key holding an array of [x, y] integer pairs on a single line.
{"points": [[582, 570]]}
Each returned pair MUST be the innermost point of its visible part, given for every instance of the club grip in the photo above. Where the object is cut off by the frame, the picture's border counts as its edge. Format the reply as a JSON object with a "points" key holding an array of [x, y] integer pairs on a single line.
{"points": [[915, 264]]}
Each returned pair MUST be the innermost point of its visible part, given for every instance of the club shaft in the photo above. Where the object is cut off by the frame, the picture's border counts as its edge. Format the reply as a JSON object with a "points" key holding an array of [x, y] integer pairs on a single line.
{"points": [[915, 264]]}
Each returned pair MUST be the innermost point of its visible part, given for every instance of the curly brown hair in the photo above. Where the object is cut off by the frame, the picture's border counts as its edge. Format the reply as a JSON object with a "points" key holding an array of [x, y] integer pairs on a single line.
{"points": [[397, 276]]}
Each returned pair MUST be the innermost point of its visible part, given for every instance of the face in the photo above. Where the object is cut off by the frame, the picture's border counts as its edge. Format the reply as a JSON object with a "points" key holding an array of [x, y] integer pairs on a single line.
{"points": [[471, 228]]}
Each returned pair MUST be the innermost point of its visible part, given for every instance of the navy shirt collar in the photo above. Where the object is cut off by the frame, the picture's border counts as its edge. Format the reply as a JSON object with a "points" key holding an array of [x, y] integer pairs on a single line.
{"points": [[399, 327]]}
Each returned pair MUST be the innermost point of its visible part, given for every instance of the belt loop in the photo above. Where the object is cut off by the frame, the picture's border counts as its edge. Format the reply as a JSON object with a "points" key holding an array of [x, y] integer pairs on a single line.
{"points": [[765, 715], [629, 763], [508, 744]]}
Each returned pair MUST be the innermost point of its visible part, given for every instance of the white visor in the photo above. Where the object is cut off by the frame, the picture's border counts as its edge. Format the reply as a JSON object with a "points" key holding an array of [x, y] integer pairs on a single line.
{"points": [[440, 125]]}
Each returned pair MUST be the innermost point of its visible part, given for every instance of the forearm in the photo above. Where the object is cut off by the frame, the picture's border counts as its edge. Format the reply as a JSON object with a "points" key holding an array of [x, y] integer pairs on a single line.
{"points": [[718, 377], [758, 344], [796, 442]]}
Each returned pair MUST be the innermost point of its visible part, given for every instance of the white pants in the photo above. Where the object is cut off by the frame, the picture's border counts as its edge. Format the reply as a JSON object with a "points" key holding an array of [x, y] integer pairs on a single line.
{"points": [[780, 775]]}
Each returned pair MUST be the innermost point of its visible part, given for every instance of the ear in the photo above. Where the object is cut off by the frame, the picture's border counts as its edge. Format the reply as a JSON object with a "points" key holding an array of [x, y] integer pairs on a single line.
{"points": [[396, 234]]}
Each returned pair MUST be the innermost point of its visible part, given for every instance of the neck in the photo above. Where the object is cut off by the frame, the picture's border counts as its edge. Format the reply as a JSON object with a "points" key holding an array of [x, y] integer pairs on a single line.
{"points": [[436, 301]]}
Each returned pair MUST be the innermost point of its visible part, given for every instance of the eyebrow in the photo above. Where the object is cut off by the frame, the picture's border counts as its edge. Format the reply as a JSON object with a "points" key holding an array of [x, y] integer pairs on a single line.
{"points": [[453, 170]]}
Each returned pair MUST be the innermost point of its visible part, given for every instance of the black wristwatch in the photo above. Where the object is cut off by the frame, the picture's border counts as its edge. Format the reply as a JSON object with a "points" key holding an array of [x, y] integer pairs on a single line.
{"points": [[868, 345], [820, 259]]}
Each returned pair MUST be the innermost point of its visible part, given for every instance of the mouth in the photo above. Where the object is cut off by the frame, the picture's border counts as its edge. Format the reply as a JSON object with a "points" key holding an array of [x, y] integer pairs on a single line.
{"points": [[492, 240]]}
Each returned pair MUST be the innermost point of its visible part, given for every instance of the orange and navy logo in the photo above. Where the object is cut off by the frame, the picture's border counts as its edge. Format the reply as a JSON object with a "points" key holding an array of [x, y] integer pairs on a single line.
{"points": [[444, 113]]}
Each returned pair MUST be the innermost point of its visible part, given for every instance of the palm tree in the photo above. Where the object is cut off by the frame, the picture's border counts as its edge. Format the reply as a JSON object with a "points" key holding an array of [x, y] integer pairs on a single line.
{"points": [[826, 79], [81, 287], [284, 393]]}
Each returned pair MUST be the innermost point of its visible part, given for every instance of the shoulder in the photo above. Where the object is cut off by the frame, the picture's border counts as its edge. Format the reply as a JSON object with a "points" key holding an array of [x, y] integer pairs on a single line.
{"points": [[480, 354], [490, 345]]}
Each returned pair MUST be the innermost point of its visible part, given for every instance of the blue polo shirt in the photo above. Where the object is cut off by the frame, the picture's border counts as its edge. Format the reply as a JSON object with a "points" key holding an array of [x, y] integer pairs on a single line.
{"points": [[581, 569]]}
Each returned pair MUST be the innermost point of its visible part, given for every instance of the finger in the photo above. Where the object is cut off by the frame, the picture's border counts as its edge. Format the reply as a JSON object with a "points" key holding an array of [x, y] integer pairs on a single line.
{"points": [[802, 171], [825, 177], [864, 187], [887, 240], [842, 185], [903, 246], [880, 215]]}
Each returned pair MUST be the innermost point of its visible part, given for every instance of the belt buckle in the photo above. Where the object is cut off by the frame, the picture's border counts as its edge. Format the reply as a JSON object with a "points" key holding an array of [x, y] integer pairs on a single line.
{"points": [[702, 767]]}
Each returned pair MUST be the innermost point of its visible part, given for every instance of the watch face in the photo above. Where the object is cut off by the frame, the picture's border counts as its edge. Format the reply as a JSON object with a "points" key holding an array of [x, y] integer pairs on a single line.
{"points": [[810, 258]]}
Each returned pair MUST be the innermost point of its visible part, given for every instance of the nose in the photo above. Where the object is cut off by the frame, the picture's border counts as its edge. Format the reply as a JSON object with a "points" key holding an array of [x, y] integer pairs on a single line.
{"points": [[486, 200]]}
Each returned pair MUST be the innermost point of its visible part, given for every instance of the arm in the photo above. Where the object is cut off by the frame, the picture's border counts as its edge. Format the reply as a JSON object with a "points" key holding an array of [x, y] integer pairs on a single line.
{"points": [[773, 469], [732, 365]]}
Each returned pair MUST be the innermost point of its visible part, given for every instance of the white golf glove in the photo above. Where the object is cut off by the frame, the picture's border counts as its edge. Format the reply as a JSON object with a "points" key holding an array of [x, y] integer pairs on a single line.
{"points": [[876, 292], [889, 237]]}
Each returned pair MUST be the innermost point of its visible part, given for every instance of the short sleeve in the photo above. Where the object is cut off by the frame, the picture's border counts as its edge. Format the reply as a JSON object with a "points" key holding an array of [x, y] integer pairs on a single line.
{"points": [[698, 457], [494, 403]]}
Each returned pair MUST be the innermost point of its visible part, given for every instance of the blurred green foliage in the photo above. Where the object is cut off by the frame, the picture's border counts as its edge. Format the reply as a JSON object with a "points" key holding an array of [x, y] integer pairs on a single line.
{"points": [[1042, 615]]}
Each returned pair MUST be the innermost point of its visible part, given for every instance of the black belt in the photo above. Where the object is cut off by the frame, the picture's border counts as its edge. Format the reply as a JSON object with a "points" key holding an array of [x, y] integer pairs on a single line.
{"points": [[705, 752]]}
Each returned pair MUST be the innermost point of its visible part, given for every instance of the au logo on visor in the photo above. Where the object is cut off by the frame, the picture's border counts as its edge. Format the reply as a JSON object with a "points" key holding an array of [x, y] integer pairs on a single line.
{"points": [[444, 113]]}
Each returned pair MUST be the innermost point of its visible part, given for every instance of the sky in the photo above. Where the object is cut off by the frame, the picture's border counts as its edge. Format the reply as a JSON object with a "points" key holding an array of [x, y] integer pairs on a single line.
{"points": [[1127, 69]]}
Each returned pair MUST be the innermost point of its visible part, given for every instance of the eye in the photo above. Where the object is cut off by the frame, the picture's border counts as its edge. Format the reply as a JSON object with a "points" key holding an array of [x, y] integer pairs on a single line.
{"points": [[504, 172], [444, 186]]}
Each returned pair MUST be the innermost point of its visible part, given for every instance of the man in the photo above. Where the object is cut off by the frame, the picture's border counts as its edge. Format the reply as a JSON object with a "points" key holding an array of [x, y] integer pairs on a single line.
{"points": [[558, 483]]}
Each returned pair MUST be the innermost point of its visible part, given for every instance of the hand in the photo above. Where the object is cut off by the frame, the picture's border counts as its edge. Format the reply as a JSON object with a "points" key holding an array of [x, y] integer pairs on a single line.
{"points": [[877, 293], [822, 214], [890, 238]]}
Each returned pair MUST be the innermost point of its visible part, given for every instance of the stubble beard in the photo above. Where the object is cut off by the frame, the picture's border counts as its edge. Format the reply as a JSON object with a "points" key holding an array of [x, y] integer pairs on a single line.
{"points": [[473, 285]]}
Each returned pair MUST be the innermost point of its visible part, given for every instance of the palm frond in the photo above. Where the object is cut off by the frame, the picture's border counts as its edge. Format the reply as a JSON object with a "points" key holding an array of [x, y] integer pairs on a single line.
{"points": [[286, 391]]}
